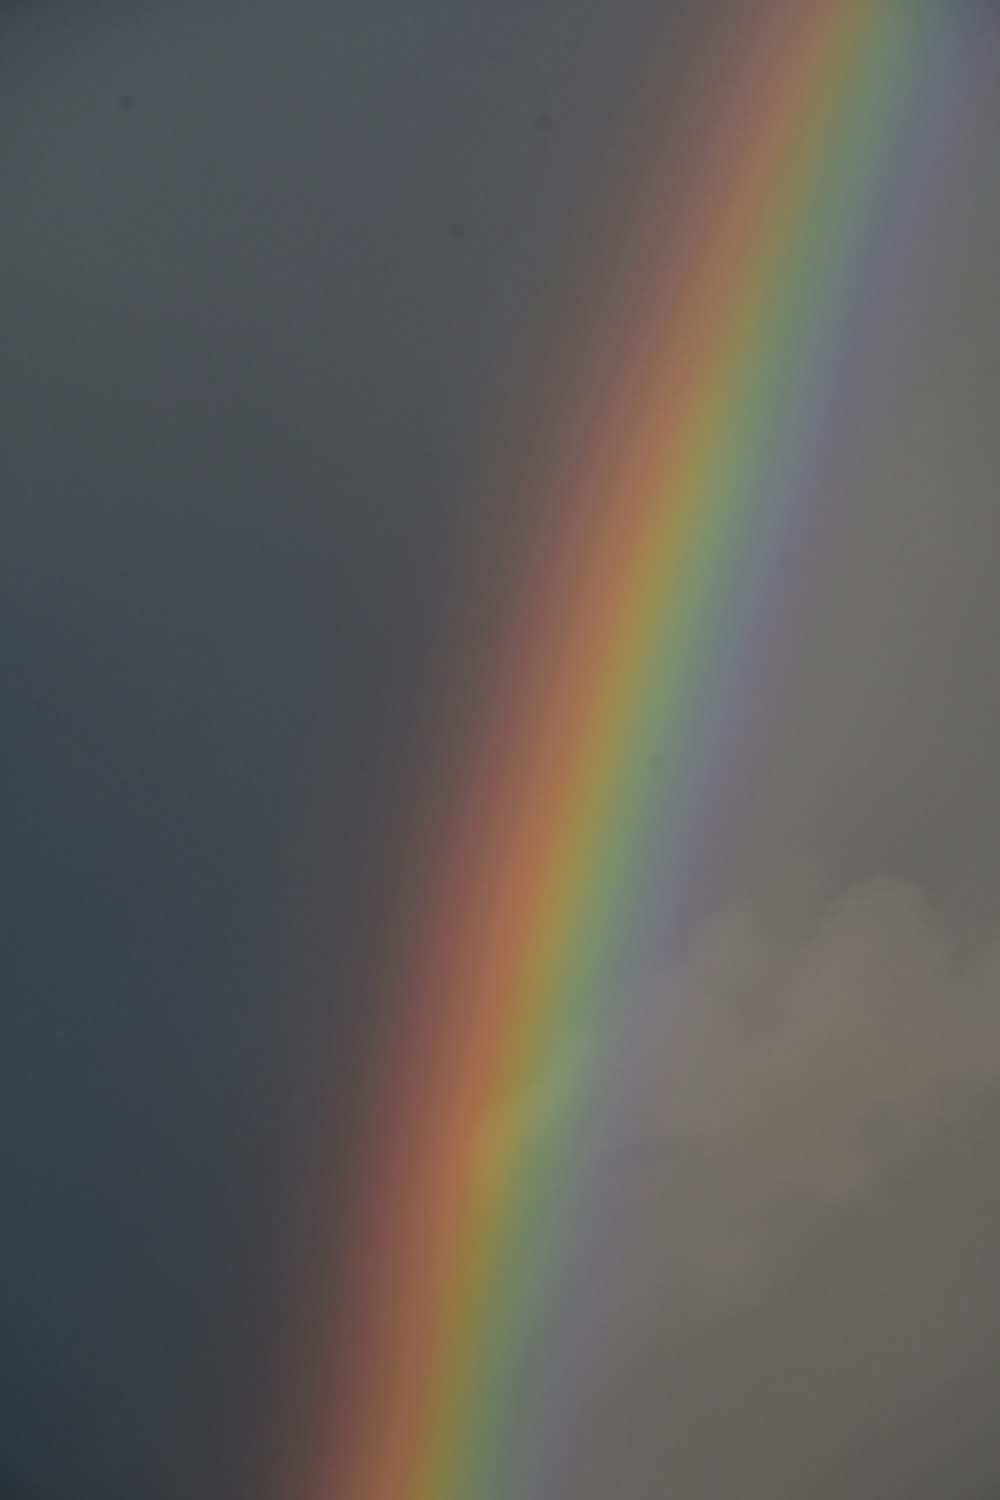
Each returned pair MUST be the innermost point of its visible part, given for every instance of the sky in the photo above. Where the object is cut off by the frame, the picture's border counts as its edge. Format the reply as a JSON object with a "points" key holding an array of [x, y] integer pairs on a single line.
{"points": [[279, 287]]}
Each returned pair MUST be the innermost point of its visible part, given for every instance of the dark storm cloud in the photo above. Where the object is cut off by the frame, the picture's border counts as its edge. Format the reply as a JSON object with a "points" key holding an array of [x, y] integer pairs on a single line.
{"points": [[276, 284], [125, 967]]}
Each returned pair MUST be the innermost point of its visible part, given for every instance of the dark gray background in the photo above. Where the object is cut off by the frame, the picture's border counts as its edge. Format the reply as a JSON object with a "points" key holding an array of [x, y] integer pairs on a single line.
{"points": [[277, 285]]}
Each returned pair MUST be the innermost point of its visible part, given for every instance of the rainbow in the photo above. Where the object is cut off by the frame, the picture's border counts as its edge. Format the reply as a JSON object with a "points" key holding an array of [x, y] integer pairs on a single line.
{"points": [[675, 473]]}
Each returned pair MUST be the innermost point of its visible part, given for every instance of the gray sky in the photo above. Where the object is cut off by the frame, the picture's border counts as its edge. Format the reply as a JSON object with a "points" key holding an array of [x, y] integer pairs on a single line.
{"points": [[278, 285], [796, 1291]]}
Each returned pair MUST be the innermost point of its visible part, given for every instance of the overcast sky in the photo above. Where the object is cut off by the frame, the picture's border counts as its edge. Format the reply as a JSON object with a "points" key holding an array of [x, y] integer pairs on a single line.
{"points": [[278, 285]]}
